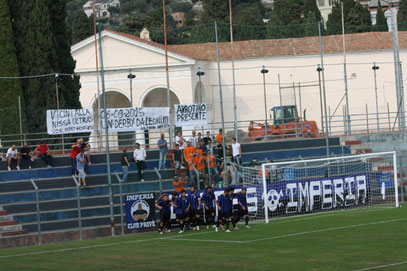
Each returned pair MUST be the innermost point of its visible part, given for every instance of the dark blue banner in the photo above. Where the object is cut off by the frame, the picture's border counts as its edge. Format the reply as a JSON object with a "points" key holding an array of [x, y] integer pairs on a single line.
{"points": [[140, 211]]}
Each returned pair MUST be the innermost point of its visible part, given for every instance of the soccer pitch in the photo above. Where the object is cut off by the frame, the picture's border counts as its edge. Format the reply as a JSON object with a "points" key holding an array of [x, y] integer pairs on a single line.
{"points": [[363, 239]]}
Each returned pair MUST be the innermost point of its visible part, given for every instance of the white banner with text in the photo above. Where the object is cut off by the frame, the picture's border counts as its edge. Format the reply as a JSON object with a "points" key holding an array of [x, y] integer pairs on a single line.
{"points": [[69, 121], [135, 118], [190, 115]]}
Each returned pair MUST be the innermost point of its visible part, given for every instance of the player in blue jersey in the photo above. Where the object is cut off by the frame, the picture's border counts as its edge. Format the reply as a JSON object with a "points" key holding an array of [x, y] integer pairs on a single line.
{"points": [[208, 199], [224, 207], [233, 209], [182, 207], [164, 204], [242, 207], [195, 202]]}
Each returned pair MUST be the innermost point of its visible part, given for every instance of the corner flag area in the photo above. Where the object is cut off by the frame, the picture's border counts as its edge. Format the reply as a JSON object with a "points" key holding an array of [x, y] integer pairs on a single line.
{"points": [[363, 239]]}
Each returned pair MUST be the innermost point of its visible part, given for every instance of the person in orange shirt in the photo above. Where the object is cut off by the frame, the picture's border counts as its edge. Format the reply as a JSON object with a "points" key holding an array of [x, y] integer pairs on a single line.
{"points": [[199, 160], [178, 184], [189, 150], [219, 146], [213, 170]]}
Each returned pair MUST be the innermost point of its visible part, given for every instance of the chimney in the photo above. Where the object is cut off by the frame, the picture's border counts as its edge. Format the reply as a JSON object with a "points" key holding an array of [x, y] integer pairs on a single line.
{"points": [[145, 34]]}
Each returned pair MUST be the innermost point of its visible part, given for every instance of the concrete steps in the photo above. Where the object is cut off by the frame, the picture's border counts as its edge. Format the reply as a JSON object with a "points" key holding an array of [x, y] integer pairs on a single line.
{"points": [[8, 226]]}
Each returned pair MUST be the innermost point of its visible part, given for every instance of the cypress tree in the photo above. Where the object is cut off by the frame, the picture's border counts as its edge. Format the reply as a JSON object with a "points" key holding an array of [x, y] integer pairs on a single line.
{"points": [[402, 15], [82, 27], [10, 89], [356, 17], [311, 27], [36, 55], [381, 22], [68, 86], [214, 10], [311, 6]]}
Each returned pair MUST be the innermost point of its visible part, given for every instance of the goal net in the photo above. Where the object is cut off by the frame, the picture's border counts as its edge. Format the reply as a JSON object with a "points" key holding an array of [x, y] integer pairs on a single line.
{"points": [[319, 185]]}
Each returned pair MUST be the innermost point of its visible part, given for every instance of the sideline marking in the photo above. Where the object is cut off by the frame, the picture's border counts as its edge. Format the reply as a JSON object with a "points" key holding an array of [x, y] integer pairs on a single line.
{"points": [[180, 238], [292, 234], [381, 266]]}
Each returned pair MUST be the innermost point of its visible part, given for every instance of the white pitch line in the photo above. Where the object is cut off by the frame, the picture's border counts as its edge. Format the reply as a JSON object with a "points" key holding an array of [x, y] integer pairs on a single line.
{"points": [[181, 238], [289, 235], [381, 266]]}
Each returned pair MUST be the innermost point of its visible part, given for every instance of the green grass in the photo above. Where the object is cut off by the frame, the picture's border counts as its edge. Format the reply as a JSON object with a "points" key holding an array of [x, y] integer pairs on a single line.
{"points": [[344, 240]]}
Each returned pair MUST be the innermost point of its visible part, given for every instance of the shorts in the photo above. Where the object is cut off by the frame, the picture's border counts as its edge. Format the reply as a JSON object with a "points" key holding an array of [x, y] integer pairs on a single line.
{"points": [[224, 215], [243, 212], [165, 218], [193, 213], [214, 171], [81, 173], [210, 212], [178, 164], [237, 159], [182, 216]]}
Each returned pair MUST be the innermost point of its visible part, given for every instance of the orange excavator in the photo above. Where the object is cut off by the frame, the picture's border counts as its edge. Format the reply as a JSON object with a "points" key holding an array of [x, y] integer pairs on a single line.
{"points": [[286, 124]]}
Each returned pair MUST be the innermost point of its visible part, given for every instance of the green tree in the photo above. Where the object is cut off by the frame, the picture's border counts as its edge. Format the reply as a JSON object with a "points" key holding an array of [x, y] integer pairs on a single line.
{"points": [[68, 87], [285, 20], [214, 10], [381, 22], [311, 6], [402, 15], [249, 25], [10, 89], [180, 6], [82, 27], [356, 17], [311, 25], [36, 55]]}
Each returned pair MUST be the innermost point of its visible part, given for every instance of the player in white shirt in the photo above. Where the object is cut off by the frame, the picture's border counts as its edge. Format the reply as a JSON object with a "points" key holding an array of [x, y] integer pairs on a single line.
{"points": [[193, 139], [12, 154], [237, 152], [140, 158]]}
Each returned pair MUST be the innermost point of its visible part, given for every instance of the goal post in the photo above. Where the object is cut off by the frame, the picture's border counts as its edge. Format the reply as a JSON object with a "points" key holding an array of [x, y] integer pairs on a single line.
{"points": [[320, 185]]}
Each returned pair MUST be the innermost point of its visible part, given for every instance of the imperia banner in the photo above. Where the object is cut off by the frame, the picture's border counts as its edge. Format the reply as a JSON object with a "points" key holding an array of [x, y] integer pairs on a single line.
{"points": [[140, 211], [299, 196]]}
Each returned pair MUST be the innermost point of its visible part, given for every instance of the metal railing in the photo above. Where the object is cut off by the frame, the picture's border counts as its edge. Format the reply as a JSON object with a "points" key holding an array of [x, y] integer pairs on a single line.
{"points": [[37, 204], [78, 197]]}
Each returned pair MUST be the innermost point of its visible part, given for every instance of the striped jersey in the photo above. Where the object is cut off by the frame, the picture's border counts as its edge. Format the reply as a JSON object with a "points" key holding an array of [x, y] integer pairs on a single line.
{"points": [[182, 205], [224, 203], [166, 206], [194, 200], [241, 198], [208, 198]]}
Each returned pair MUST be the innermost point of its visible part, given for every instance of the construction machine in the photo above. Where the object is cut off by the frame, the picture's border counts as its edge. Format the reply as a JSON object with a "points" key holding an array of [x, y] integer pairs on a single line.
{"points": [[285, 124]]}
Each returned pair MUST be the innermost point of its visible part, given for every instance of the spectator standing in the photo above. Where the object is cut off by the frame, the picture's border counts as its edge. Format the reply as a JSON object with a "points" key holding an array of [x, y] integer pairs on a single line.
{"points": [[180, 141], [207, 138], [236, 152], [219, 146], [124, 161], [199, 136], [188, 156], [163, 145], [26, 155], [80, 165], [140, 158], [193, 139], [213, 171], [209, 146], [76, 147], [177, 159], [12, 154], [199, 161], [44, 153], [178, 184]]}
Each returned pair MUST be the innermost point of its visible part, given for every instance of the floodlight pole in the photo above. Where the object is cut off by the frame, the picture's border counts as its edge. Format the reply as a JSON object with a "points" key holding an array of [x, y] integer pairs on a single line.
{"points": [[321, 52], [221, 107], [109, 177], [374, 68], [264, 71]]}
